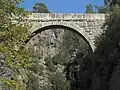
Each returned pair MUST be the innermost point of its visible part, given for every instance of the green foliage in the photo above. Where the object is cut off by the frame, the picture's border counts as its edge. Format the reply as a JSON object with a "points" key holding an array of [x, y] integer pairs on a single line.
{"points": [[11, 84], [96, 9], [13, 36], [110, 41], [78, 72], [111, 2], [36, 67], [102, 9], [89, 8], [71, 43], [49, 63], [59, 59], [33, 83], [107, 1], [40, 8], [58, 82], [108, 50], [97, 75]]}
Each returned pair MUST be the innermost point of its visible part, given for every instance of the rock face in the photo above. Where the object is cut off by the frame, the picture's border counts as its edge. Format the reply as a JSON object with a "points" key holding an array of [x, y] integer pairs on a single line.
{"points": [[46, 45], [47, 42], [53, 48]]}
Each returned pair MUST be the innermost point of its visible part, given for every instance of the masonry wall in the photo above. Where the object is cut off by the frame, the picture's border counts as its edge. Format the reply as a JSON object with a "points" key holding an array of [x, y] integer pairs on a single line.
{"points": [[88, 25]]}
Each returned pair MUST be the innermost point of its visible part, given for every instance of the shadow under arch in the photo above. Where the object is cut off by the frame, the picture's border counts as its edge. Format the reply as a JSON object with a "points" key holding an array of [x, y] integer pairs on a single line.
{"points": [[60, 27]]}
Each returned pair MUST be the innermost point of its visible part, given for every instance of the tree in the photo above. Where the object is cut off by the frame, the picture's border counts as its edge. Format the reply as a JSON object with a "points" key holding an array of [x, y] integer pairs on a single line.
{"points": [[97, 74], [101, 9], [110, 39], [108, 50], [33, 83], [71, 43], [13, 36], [111, 2], [58, 82], [89, 8], [40, 8], [78, 72]]}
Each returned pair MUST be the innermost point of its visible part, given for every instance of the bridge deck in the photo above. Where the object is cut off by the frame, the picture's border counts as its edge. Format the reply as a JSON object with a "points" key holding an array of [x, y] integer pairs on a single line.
{"points": [[65, 16]]}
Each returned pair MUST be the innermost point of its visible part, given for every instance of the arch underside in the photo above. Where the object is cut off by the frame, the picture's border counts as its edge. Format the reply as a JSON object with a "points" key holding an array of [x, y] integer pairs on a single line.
{"points": [[39, 27]]}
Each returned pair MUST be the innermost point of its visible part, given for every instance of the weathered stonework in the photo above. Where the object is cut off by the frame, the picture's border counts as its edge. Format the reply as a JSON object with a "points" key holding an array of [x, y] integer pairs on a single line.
{"points": [[87, 25]]}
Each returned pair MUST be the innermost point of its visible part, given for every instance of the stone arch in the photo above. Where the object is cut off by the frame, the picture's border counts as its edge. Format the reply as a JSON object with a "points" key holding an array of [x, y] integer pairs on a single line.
{"points": [[41, 26]]}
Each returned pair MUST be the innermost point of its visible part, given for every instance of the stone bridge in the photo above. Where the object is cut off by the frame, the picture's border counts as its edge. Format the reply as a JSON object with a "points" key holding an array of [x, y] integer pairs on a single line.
{"points": [[86, 25]]}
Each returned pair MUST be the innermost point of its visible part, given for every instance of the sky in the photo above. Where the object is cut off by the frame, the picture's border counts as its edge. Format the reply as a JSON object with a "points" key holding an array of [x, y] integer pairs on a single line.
{"points": [[63, 6]]}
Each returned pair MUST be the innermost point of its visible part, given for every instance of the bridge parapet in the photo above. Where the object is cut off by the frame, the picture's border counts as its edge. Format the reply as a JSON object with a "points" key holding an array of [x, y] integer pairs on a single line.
{"points": [[65, 16]]}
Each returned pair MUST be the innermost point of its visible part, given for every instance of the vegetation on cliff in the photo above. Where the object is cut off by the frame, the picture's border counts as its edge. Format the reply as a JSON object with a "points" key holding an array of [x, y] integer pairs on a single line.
{"points": [[84, 70], [101, 72]]}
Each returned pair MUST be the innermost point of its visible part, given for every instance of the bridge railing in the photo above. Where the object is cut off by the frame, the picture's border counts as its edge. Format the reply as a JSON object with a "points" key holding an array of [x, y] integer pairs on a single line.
{"points": [[65, 16]]}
